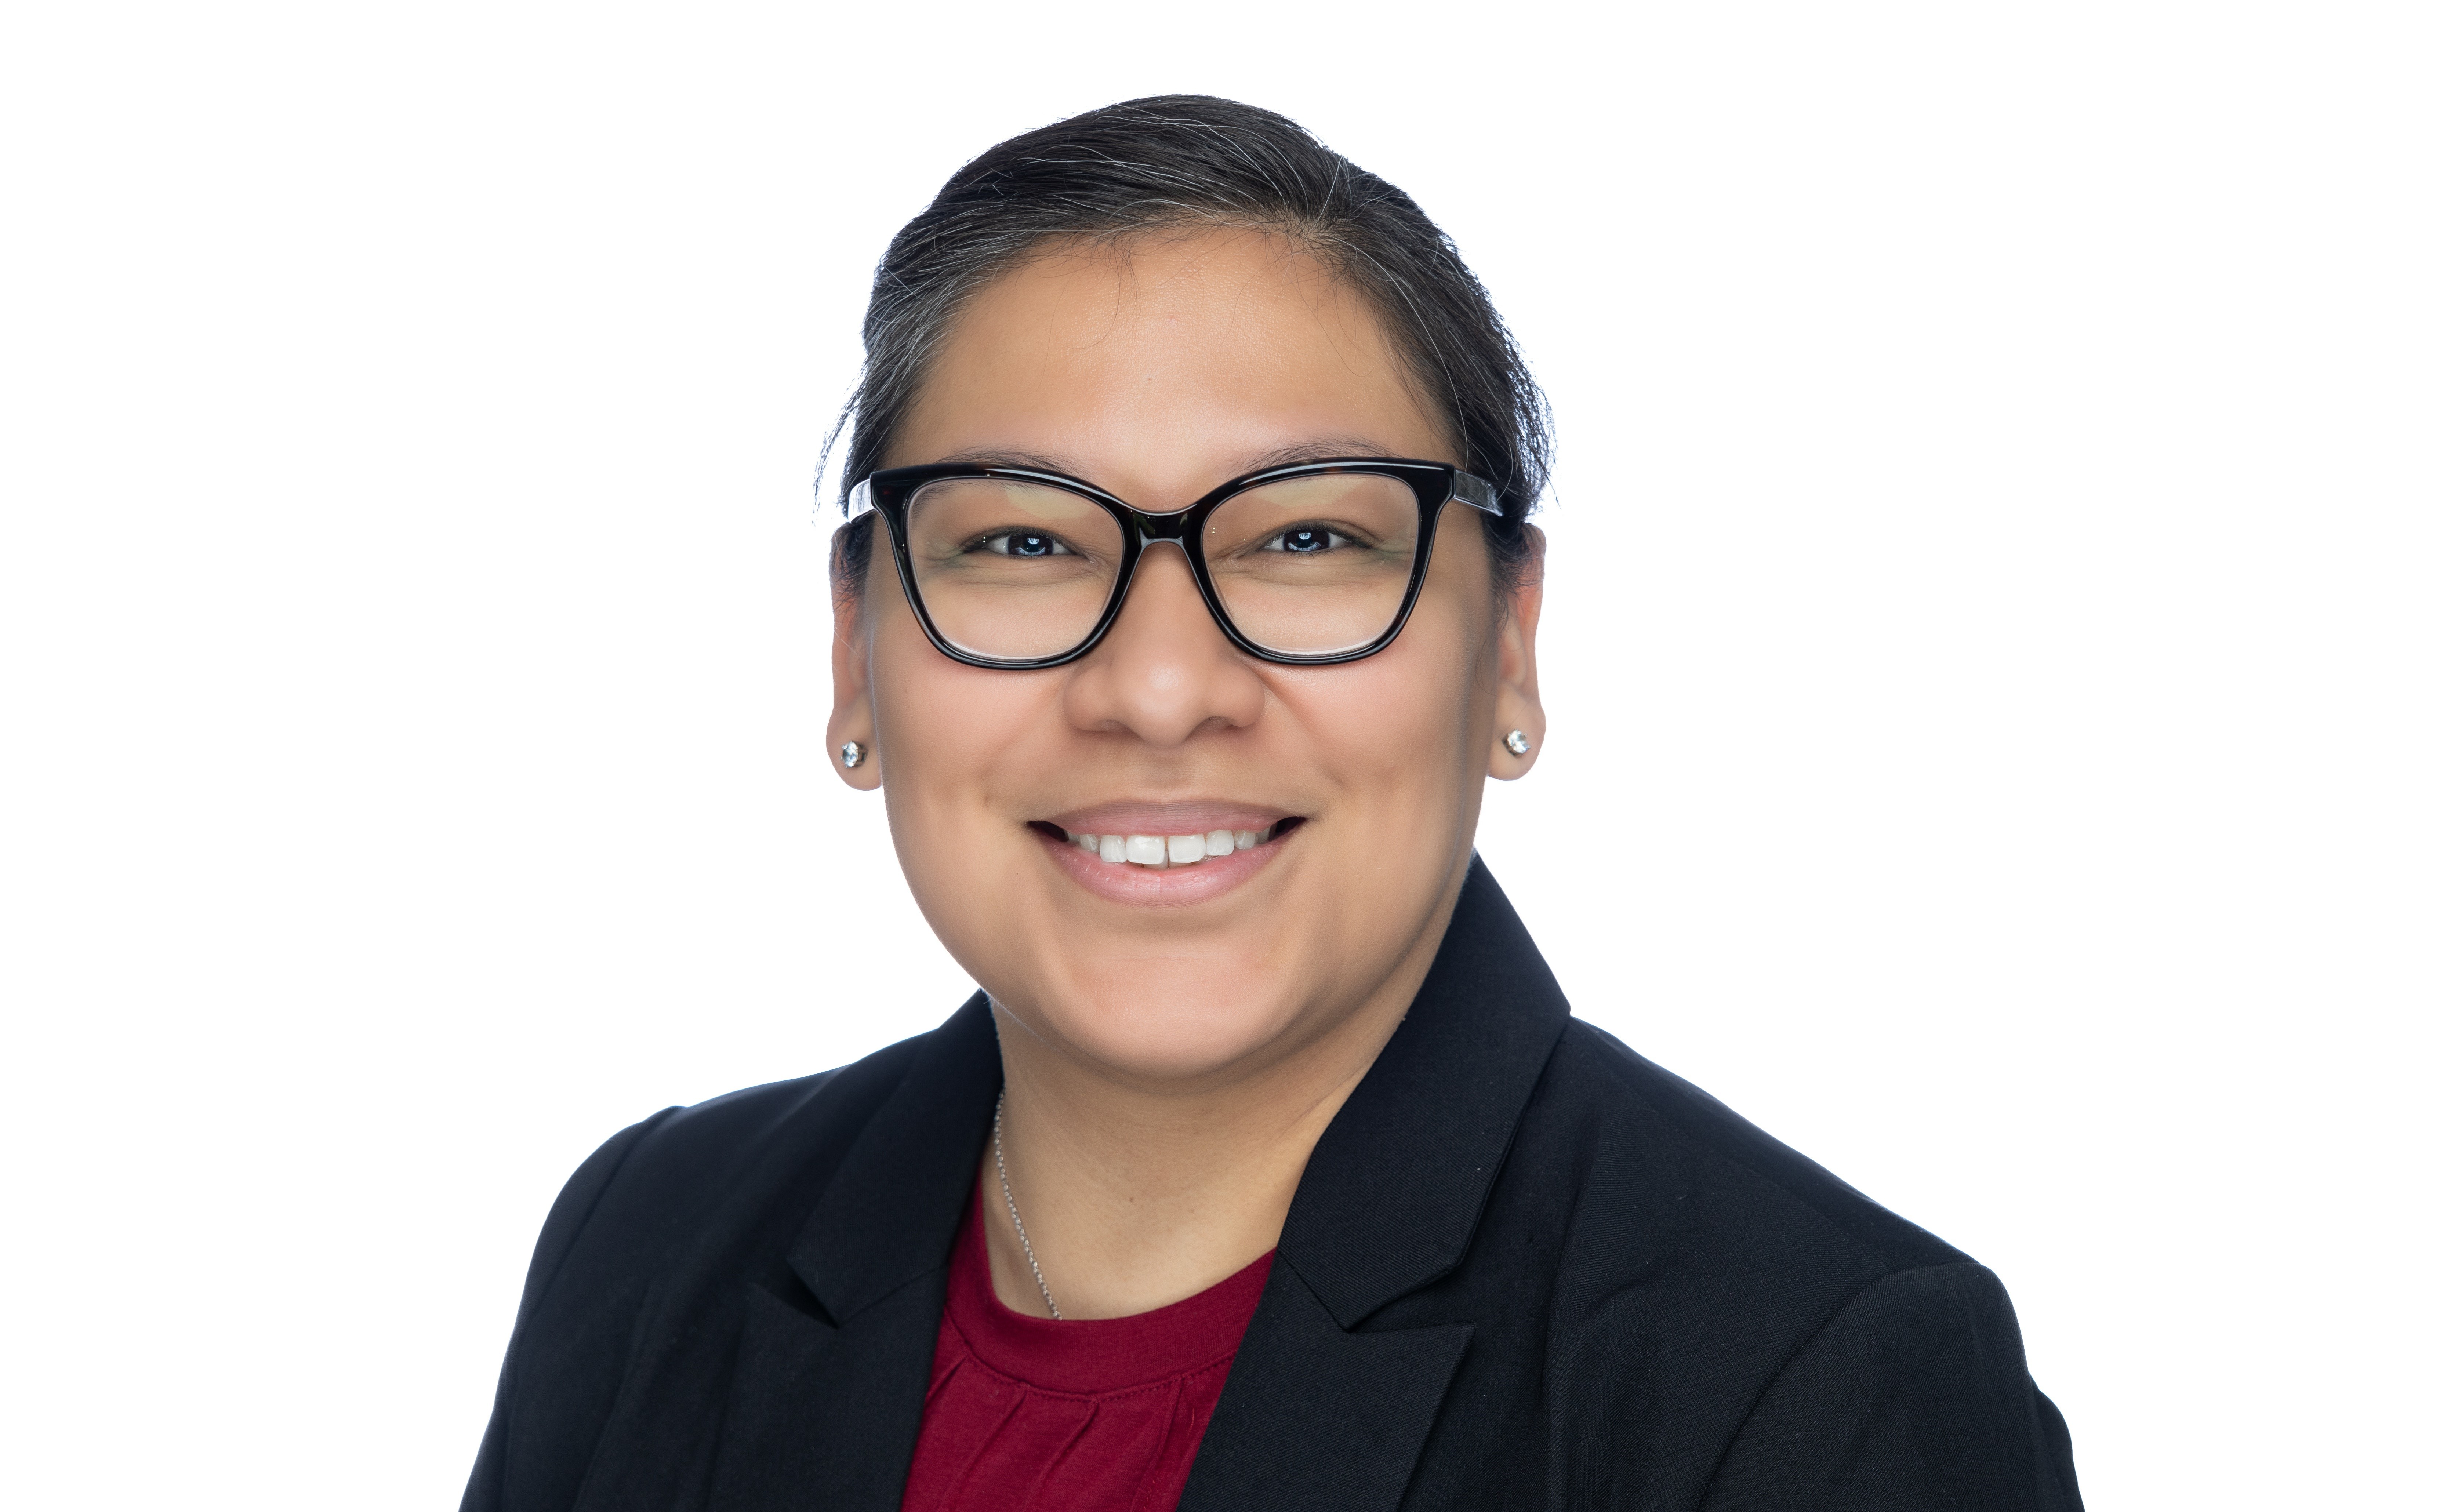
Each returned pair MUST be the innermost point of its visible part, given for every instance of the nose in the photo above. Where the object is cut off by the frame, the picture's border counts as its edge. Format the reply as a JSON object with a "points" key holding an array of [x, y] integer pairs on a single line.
{"points": [[1164, 671]]}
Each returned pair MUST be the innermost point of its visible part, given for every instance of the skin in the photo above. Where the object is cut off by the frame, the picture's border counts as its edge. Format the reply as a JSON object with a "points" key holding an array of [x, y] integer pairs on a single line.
{"points": [[1169, 1065]]}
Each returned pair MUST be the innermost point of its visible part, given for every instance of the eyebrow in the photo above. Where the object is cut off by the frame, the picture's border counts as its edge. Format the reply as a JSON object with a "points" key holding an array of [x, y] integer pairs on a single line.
{"points": [[1004, 456], [1316, 449]]}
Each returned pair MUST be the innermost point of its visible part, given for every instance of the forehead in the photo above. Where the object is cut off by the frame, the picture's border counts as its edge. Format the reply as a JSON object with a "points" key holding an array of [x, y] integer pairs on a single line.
{"points": [[1166, 363]]}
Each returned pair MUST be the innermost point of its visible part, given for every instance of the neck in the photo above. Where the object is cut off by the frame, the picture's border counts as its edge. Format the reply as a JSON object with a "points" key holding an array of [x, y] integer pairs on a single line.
{"points": [[1137, 1196]]}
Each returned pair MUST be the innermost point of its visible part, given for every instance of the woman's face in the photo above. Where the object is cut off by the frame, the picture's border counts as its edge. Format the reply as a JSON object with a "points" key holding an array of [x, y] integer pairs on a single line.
{"points": [[1158, 371]]}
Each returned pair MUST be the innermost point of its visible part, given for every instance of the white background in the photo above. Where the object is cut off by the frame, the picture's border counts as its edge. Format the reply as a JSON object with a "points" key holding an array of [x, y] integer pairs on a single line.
{"points": [[1994, 644]]}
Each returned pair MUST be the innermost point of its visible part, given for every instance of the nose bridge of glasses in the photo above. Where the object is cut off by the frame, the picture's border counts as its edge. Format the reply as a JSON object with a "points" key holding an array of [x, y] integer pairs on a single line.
{"points": [[1136, 588], [1178, 539], [1173, 528]]}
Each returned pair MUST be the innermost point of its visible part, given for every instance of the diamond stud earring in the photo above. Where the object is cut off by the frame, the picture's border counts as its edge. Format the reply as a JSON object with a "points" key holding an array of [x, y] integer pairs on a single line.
{"points": [[852, 753], [1515, 742]]}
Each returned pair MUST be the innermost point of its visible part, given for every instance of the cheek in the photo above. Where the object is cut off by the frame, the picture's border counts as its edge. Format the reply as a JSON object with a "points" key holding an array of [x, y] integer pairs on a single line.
{"points": [[945, 730], [1396, 731], [1411, 716]]}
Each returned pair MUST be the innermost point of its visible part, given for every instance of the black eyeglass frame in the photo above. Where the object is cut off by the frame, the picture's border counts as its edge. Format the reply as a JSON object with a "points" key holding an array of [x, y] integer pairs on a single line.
{"points": [[1434, 484]]}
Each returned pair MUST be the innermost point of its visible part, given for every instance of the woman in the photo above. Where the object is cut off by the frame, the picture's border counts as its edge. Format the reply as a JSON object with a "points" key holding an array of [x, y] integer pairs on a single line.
{"points": [[1186, 604]]}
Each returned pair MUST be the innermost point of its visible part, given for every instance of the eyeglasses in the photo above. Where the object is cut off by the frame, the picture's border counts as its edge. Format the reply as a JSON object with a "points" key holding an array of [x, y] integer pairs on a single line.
{"points": [[1310, 564]]}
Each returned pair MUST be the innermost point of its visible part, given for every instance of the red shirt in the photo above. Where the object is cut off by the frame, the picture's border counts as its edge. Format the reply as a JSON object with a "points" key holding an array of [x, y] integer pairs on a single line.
{"points": [[1100, 1416]]}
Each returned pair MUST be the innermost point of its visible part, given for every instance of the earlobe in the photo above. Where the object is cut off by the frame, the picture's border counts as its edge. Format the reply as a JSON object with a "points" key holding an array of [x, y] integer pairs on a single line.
{"points": [[1514, 752], [1520, 718], [849, 735]]}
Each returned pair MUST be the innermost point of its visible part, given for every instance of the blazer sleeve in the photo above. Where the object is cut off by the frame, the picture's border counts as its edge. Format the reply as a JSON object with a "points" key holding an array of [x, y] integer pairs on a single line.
{"points": [[568, 1217], [1914, 1398]]}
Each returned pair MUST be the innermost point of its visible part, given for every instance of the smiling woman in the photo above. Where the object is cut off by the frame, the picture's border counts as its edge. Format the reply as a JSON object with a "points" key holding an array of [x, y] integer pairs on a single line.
{"points": [[1187, 605]]}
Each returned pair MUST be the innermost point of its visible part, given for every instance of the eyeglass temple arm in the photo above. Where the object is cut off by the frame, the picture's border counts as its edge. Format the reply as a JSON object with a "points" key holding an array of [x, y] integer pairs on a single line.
{"points": [[1477, 493]]}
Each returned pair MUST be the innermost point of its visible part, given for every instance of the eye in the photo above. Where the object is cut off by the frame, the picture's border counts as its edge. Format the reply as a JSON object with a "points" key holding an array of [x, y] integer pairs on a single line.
{"points": [[1306, 539], [1023, 543]]}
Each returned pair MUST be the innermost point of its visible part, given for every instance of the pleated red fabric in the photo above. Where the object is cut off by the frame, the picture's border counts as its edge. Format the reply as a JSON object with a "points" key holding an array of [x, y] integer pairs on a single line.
{"points": [[1026, 1413]]}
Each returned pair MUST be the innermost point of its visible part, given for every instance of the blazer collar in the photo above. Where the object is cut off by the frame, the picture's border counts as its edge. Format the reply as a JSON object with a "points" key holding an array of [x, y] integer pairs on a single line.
{"points": [[1389, 1198], [889, 1214], [1394, 1188]]}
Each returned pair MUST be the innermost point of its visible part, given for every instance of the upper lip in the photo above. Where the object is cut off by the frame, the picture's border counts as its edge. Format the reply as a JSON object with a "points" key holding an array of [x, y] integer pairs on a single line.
{"points": [[1187, 817]]}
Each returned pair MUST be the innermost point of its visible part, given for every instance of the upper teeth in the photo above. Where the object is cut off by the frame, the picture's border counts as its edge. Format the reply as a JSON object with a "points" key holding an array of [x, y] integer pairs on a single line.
{"points": [[1171, 850]]}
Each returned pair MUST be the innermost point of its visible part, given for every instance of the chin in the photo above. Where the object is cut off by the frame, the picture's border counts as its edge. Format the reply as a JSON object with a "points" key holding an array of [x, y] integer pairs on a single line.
{"points": [[1146, 1029]]}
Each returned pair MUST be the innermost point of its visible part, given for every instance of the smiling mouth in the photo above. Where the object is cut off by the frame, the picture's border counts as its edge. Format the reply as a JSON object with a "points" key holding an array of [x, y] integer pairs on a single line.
{"points": [[1164, 852]]}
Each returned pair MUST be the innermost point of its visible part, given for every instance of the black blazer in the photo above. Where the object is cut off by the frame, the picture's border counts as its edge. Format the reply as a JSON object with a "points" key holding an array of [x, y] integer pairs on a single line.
{"points": [[1525, 1268]]}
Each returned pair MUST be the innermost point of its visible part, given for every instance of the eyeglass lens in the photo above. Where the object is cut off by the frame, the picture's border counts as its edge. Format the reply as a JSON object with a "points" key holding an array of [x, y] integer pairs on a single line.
{"points": [[1309, 565]]}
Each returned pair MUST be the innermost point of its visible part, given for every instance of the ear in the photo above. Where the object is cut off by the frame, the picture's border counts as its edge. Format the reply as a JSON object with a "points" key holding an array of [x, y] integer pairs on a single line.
{"points": [[1516, 667], [853, 689]]}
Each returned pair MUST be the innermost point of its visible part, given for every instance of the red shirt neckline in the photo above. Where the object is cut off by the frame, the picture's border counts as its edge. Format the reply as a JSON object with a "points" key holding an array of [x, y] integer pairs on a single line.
{"points": [[1094, 1355]]}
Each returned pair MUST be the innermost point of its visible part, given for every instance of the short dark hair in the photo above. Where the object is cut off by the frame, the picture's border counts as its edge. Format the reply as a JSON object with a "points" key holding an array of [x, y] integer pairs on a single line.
{"points": [[1175, 161]]}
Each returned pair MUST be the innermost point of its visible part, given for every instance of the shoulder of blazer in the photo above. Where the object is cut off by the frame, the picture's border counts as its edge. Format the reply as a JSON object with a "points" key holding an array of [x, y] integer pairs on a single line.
{"points": [[665, 1220], [1634, 1107], [715, 1177], [717, 1164], [1667, 1261]]}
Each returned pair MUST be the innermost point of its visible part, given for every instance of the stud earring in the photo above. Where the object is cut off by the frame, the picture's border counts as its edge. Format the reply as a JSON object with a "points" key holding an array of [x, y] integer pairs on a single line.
{"points": [[1515, 742], [852, 753]]}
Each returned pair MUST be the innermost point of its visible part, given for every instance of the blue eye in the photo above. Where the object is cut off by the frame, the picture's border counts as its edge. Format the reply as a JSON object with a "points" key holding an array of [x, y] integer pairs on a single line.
{"points": [[1306, 540], [1025, 543]]}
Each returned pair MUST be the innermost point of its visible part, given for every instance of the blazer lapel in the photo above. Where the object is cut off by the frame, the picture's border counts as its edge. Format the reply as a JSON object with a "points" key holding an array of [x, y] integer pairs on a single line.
{"points": [[836, 1354], [1319, 1416], [825, 1417], [1325, 1408]]}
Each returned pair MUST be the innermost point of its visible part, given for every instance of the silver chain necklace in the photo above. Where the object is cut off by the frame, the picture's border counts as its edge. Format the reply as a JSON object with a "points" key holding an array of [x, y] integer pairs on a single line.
{"points": [[1025, 1248]]}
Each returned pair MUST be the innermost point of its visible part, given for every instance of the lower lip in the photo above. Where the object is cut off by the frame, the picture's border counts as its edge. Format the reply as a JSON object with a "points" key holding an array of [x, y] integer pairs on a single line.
{"points": [[1124, 882]]}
